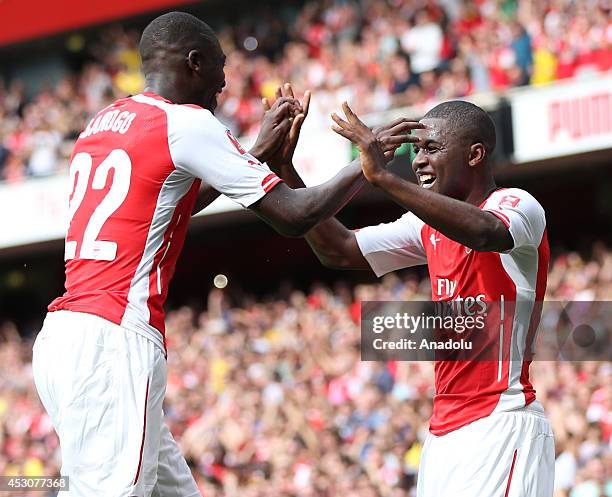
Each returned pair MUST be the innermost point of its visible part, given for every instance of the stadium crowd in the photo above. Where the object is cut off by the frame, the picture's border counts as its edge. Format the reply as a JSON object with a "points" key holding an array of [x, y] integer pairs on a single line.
{"points": [[272, 399], [377, 54]]}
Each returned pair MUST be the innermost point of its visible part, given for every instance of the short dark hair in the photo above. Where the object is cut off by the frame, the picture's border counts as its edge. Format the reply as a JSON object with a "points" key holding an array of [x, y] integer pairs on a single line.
{"points": [[174, 30], [466, 120]]}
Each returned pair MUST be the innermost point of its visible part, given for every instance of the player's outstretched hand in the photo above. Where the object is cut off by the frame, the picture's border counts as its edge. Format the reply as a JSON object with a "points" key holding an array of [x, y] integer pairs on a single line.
{"points": [[275, 126], [377, 147], [283, 156], [375, 150]]}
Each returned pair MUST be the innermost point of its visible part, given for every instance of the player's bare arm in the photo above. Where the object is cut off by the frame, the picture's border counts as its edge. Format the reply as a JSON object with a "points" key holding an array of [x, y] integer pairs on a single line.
{"points": [[294, 212], [461, 221], [334, 244], [206, 196]]}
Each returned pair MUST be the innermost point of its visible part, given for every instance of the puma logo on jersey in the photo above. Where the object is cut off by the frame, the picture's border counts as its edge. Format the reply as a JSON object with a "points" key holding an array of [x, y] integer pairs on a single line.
{"points": [[433, 240]]}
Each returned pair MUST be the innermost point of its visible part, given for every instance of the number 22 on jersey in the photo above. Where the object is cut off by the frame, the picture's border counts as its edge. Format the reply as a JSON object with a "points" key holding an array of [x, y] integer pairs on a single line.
{"points": [[80, 171]]}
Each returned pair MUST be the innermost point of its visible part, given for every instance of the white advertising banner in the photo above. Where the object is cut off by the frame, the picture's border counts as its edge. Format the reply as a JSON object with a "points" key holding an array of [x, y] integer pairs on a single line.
{"points": [[33, 211], [562, 119]]}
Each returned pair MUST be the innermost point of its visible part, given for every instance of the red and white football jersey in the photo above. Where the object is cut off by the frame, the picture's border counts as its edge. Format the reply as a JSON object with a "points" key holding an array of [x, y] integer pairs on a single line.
{"points": [[135, 173], [470, 390]]}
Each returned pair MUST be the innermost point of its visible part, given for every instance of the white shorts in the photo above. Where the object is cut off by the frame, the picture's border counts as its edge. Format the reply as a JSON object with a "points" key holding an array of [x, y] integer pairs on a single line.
{"points": [[103, 387], [506, 454]]}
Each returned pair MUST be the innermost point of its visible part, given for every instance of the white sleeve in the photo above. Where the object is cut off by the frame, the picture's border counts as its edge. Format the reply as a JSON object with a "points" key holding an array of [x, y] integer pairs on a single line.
{"points": [[203, 147], [392, 246], [521, 213]]}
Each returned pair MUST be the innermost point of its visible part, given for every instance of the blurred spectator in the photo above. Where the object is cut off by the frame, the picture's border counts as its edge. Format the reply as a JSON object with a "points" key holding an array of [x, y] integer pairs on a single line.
{"points": [[521, 44], [423, 42]]}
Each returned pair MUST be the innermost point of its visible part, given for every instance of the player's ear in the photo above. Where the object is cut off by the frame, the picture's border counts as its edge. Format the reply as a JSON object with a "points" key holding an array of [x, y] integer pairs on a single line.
{"points": [[194, 60], [478, 153]]}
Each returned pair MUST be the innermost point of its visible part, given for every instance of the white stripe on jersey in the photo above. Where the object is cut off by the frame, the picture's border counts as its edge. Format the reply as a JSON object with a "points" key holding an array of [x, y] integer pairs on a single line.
{"points": [[175, 187], [159, 264], [270, 181], [500, 361], [520, 272]]}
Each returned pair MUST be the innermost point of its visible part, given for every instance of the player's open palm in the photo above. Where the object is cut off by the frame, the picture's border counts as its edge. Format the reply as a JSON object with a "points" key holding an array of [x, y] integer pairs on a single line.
{"points": [[370, 149]]}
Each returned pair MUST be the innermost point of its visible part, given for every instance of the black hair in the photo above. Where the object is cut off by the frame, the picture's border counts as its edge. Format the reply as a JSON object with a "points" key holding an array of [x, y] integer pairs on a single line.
{"points": [[177, 31], [466, 120]]}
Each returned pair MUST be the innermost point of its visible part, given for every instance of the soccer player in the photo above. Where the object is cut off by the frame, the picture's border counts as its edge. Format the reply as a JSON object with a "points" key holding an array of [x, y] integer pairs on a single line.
{"points": [[136, 171], [489, 436]]}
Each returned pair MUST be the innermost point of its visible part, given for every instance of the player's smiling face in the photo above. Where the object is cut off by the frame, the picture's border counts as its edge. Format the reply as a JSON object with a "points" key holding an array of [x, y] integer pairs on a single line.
{"points": [[440, 161]]}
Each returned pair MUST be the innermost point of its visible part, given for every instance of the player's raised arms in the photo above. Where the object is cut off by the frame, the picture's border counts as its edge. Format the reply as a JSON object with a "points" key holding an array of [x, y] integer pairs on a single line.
{"points": [[293, 211], [334, 244]]}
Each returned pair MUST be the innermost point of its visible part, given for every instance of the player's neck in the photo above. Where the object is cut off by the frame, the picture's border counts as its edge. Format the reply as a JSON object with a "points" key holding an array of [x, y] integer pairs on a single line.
{"points": [[481, 191], [164, 87]]}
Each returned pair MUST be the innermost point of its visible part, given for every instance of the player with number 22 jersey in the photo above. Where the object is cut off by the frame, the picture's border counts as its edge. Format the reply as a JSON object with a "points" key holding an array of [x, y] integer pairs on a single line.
{"points": [[137, 171]]}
